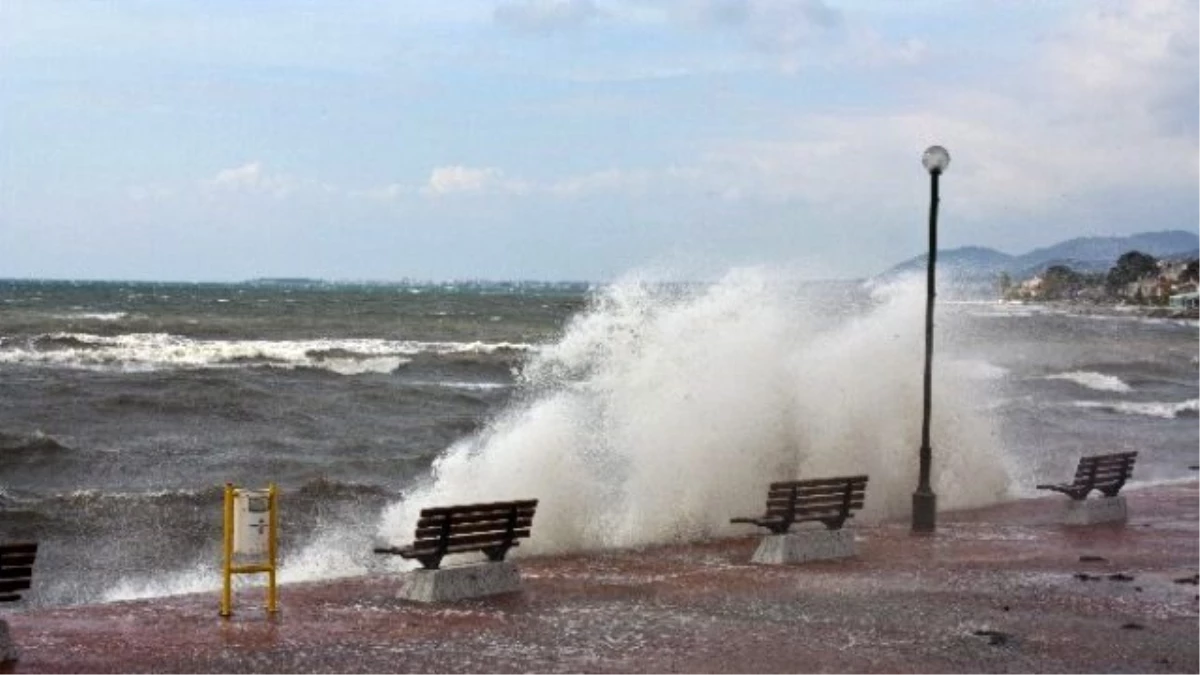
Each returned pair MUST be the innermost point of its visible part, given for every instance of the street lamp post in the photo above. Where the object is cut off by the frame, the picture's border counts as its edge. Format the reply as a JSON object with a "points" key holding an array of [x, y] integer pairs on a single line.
{"points": [[924, 501]]}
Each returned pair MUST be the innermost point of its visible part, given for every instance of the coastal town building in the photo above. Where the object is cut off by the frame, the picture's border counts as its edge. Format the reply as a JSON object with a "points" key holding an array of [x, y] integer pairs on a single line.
{"points": [[1186, 302], [1165, 283]]}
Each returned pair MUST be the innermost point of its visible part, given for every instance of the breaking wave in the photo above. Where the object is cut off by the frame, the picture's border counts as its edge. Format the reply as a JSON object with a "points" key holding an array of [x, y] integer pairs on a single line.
{"points": [[1164, 410], [664, 411], [1093, 380], [149, 352]]}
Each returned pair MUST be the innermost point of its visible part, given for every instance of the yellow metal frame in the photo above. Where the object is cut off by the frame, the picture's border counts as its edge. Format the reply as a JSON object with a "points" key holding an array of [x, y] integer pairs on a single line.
{"points": [[229, 569]]}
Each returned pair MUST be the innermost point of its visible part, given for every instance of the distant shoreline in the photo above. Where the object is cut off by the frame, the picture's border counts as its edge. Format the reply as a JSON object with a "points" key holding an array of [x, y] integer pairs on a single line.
{"points": [[1105, 309]]}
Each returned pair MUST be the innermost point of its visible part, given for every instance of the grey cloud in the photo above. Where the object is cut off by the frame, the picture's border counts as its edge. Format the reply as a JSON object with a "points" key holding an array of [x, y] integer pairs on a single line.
{"points": [[545, 16]]}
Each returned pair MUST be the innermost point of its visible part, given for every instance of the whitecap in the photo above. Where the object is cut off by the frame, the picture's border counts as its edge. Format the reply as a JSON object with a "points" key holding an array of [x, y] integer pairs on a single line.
{"points": [[1093, 380], [1164, 410], [148, 352], [93, 316]]}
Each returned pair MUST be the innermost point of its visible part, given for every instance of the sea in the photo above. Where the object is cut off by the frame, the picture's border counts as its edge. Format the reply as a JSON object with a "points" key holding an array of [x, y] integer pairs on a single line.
{"points": [[639, 412]]}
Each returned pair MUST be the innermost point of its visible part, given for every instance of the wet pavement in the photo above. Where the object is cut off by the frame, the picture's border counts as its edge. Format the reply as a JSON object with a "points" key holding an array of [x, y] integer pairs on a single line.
{"points": [[1001, 589]]}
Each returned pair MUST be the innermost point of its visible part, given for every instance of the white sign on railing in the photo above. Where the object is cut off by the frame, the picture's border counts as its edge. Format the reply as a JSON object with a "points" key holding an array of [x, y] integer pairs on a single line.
{"points": [[251, 522]]}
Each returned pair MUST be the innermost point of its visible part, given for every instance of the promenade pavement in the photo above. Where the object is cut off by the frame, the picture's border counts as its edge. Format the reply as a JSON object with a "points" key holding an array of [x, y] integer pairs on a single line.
{"points": [[999, 589]]}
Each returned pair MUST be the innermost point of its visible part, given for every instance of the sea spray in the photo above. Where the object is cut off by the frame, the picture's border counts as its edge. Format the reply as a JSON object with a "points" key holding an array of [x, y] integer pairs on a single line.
{"points": [[665, 410]]}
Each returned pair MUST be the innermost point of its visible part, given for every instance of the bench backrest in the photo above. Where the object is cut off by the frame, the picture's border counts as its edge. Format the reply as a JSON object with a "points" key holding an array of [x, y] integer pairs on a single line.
{"points": [[492, 528], [828, 500], [16, 569], [1106, 473]]}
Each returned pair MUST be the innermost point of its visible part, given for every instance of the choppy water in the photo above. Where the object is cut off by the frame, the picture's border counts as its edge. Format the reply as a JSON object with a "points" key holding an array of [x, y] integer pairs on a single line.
{"points": [[638, 413]]}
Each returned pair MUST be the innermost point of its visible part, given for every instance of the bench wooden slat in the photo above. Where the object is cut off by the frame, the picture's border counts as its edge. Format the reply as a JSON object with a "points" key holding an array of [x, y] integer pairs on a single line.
{"points": [[486, 539], [411, 552], [16, 572], [10, 585], [830, 501], [22, 560], [456, 519], [1111, 455], [816, 497], [492, 528], [800, 516], [435, 531], [16, 569], [818, 482], [1109, 462], [816, 492], [1114, 460], [478, 508], [18, 547], [1106, 473], [806, 507]]}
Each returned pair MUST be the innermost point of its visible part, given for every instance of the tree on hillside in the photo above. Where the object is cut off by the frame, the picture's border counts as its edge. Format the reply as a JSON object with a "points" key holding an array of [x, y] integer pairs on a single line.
{"points": [[1060, 282], [1132, 266], [1004, 283], [1192, 272]]}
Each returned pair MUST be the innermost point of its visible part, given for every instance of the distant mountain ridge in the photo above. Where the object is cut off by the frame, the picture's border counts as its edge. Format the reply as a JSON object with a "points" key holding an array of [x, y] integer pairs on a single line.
{"points": [[1082, 254]]}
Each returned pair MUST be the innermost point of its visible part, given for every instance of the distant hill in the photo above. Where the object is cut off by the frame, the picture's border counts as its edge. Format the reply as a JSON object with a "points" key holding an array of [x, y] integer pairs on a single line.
{"points": [[1083, 254], [970, 260]]}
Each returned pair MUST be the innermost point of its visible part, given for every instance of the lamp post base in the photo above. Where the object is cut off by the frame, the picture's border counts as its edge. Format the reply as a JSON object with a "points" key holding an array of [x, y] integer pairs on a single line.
{"points": [[924, 511]]}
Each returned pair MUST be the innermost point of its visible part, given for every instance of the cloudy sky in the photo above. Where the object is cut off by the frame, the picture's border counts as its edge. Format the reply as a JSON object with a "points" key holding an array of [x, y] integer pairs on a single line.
{"points": [[579, 139]]}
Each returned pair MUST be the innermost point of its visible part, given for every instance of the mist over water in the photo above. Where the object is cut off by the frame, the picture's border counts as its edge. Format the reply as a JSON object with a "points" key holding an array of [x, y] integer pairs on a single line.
{"points": [[664, 411]]}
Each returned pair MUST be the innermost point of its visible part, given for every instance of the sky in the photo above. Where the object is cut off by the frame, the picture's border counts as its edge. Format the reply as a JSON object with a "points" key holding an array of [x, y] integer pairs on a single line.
{"points": [[221, 140]]}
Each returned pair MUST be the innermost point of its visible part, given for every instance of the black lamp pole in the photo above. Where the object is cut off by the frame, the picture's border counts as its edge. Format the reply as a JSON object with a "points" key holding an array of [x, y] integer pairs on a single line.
{"points": [[924, 501]]}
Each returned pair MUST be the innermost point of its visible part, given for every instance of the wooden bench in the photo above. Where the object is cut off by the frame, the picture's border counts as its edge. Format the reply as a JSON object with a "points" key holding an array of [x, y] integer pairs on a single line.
{"points": [[828, 500], [1106, 473], [16, 569], [491, 528]]}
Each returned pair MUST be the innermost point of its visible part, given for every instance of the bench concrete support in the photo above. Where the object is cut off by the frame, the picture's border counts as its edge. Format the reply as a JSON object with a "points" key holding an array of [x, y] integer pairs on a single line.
{"points": [[8, 650], [803, 546], [460, 582], [1092, 511]]}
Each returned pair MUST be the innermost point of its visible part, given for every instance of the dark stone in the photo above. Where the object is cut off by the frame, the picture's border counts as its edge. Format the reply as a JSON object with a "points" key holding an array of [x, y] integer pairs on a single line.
{"points": [[1084, 576], [1092, 558], [995, 637], [1119, 577], [1132, 626], [1193, 580]]}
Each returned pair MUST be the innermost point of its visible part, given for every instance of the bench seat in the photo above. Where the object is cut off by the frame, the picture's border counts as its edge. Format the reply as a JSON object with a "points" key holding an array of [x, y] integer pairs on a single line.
{"points": [[16, 569], [830, 501], [491, 528], [1106, 473]]}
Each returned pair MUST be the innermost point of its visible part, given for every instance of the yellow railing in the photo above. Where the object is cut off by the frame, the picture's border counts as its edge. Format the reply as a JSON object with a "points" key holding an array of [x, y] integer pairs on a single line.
{"points": [[268, 566]]}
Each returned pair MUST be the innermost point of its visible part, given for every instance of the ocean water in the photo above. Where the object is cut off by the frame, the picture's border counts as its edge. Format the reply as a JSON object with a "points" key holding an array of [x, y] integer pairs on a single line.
{"points": [[639, 412]]}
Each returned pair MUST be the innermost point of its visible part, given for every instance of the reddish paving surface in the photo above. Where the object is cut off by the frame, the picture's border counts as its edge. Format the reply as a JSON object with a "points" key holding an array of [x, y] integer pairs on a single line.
{"points": [[995, 590]]}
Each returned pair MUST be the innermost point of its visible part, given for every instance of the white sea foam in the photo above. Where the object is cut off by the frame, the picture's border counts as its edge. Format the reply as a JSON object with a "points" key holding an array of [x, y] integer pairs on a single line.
{"points": [[379, 364], [140, 352], [95, 316], [1165, 410], [334, 551], [659, 416], [1093, 380], [196, 579], [468, 386]]}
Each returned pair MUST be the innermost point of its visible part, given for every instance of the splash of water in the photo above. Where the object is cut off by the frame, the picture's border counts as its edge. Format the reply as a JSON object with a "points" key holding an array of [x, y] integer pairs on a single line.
{"points": [[663, 412]]}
